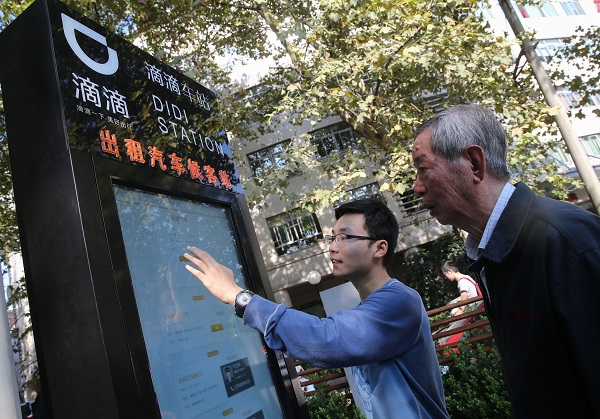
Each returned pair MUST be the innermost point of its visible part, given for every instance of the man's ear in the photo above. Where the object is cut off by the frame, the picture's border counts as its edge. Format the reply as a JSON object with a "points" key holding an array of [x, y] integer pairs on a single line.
{"points": [[476, 156], [381, 248]]}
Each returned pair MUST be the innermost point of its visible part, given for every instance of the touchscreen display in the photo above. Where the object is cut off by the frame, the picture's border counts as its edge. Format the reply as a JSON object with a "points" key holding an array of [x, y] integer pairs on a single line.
{"points": [[205, 363]]}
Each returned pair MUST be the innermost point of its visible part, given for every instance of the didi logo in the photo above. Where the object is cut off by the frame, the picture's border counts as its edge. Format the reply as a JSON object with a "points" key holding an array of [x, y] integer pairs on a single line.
{"points": [[70, 25]]}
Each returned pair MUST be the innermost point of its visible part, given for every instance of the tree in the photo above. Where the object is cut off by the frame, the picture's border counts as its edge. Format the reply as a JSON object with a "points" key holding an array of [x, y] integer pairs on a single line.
{"points": [[9, 241], [582, 51], [373, 63]]}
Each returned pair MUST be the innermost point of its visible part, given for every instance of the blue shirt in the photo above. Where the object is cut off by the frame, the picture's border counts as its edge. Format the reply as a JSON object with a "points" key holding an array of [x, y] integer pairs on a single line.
{"points": [[386, 339]]}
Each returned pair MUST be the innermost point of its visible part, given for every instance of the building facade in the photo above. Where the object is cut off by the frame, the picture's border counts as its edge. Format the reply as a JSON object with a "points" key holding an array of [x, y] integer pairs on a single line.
{"points": [[291, 240], [550, 23]]}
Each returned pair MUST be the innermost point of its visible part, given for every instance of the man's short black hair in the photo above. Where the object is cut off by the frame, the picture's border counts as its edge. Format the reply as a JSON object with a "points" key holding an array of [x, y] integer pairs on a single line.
{"points": [[380, 222]]}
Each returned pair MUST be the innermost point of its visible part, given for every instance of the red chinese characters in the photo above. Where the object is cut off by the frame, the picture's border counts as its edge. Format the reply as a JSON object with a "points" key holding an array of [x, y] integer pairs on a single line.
{"points": [[210, 175], [134, 150], [156, 158], [224, 179], [109, 142], [176, 164], [194, 169]]}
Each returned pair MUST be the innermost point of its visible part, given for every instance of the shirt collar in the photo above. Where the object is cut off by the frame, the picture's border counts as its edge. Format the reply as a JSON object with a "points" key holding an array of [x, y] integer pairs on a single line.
{"points": [[473, 247]]}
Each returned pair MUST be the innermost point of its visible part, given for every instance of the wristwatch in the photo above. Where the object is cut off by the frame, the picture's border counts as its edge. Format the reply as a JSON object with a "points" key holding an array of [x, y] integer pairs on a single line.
{"points": [[241, 301]]}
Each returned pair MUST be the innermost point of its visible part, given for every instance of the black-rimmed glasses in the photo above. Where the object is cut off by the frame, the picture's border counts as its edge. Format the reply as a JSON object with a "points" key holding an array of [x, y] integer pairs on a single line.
{"points": [[343, 237]]}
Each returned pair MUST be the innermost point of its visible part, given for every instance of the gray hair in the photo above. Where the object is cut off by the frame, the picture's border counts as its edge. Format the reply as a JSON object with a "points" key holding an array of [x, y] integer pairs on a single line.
{"points": [[455, 129]]}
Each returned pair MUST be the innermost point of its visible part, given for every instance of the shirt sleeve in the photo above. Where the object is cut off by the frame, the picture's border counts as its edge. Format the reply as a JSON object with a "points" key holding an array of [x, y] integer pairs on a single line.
{"points": [[384, 325], [465, 285]]}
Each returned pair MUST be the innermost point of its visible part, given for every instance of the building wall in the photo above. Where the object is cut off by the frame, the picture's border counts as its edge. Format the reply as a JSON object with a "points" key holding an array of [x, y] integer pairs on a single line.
{"points": [[544, 28], [288, 273], [555, 27]]}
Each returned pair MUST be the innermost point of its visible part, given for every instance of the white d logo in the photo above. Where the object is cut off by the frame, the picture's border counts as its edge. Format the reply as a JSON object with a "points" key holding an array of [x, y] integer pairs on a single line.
{"points": [[70, 25]]}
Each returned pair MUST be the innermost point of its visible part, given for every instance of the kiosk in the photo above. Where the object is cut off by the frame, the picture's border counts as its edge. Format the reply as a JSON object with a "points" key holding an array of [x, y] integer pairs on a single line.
{"points": [[118, 165]]}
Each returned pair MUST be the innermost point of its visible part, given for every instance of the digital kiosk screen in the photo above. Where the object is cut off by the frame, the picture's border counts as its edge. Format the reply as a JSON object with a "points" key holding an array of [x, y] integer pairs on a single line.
{"points": [[204, 361]]}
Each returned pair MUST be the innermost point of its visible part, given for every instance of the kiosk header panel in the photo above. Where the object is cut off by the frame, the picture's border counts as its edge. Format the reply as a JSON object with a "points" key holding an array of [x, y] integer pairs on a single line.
{"points": [[120, 102]]}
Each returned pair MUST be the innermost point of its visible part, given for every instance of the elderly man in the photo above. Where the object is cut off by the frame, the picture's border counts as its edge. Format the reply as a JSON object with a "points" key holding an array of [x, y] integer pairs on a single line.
{"points": [[537, 261]]}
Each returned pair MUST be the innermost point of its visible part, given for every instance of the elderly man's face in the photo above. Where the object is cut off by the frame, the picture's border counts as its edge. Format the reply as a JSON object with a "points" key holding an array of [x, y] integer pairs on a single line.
{"points": [[444, 186]]}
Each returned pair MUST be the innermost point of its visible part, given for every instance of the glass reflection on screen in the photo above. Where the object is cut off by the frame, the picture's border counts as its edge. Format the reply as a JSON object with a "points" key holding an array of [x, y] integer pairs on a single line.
{"points": [[204, 361]]}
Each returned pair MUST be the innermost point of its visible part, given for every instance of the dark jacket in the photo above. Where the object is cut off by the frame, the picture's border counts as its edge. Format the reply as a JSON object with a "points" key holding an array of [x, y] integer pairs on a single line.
{"points": [[542, 267]]}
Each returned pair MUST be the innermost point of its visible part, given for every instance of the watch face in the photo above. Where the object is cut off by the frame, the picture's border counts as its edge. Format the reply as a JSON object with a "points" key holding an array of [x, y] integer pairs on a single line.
{"points": [[243, 298]]}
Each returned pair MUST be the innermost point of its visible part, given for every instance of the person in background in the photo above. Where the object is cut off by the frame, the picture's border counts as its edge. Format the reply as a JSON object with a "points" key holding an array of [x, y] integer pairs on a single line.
{"points": [[467, 287], [537, 261], [386, 339]]}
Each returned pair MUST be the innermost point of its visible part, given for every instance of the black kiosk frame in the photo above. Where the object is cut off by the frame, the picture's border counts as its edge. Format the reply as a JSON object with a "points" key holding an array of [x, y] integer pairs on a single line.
{"points": [[73, 159]]}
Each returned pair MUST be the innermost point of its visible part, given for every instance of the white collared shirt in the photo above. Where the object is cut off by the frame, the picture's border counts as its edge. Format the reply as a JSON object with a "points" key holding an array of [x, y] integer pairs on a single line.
{"points": [[473, 247]]}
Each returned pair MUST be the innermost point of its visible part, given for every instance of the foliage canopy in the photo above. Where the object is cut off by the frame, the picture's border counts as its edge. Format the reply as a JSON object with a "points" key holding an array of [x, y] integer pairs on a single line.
{"points": [[383, 67]]}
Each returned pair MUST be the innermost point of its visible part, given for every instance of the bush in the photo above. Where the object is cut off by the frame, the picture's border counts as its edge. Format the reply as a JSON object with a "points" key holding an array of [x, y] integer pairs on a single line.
{"points": [[474, 383], [332, 405], [422, 270]]}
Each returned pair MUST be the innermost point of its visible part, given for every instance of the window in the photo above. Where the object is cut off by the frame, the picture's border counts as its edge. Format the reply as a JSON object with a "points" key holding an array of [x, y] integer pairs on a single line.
{"points": [[254, 92], [265, 159], [572, 8], [367, 191], [573, 100], [561, 158], [591, 143], [437, 102], [570, 99], [545, 10], [410, 202], [548, 10], [546, 48], [294, 231], [333, 138], [486, 12]]}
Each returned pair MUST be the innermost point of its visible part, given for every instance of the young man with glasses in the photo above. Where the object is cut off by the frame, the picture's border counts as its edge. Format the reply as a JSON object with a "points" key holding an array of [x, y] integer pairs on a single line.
{"points": [[386, 339]]}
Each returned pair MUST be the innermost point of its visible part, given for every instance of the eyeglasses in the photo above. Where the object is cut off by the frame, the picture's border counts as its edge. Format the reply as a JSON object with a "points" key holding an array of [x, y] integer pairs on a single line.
{"points": [[343, 237]]}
